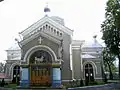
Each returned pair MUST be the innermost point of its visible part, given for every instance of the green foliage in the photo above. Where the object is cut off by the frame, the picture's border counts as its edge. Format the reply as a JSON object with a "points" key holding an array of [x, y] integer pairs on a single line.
{"points": [[111, 27], [86, 82], [105, 79], [2, 83], [75, 83], [2, 66], [108, 59], [115, 76], [10, 85], [81, 83], [93, 83]]}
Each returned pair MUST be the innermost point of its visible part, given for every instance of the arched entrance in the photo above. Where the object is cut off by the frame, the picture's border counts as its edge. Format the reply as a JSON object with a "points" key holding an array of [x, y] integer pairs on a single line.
{"points": [[16, 74], [89, 76], [40, 68]]}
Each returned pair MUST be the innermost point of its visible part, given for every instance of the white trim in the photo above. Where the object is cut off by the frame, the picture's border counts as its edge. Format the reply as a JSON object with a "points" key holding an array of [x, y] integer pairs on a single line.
{"points": [[93, 64], [81, 60], [42, 21], [11, 69], [38, 47], [24, 41], [76, 48], [94, 68], [71, 61]]}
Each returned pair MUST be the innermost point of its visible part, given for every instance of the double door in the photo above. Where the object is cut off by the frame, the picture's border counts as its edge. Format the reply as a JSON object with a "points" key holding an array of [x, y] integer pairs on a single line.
{"points": [[89, 75], [40, 76]]}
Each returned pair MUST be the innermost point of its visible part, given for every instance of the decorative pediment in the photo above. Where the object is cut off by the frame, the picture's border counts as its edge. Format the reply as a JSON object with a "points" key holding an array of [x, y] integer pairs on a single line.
{"points": [[39, 35], [42, 24]]}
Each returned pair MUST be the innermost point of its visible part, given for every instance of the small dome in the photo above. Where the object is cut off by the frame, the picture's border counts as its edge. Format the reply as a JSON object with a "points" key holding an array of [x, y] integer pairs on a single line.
{"points": [[46, 9], [93, 44]]}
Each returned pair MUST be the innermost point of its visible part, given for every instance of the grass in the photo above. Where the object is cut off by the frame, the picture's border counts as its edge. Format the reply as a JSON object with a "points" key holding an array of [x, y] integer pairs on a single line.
{"points": [[13, 86]]}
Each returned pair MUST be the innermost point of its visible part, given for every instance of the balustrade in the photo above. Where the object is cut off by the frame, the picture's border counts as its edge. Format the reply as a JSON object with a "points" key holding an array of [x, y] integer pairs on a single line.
{"points": [[46, 28]]}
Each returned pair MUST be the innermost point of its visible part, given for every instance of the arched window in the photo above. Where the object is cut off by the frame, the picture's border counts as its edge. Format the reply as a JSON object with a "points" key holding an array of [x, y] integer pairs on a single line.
{"points": [[46, 26], [51, 29], [43, 27], [40, 29], [16, 74], [40, 56], [61, 34], [58, 33], [54, 30]]}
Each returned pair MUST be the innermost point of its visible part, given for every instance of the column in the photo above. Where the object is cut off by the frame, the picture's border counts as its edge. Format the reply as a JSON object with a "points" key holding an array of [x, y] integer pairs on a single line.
{"points": [[25, 78], [56, 81]]}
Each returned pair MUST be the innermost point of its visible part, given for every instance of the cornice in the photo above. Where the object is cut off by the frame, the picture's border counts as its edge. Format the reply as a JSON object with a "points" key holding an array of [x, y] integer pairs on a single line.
{"points": [[43, 34], [42, 21]]}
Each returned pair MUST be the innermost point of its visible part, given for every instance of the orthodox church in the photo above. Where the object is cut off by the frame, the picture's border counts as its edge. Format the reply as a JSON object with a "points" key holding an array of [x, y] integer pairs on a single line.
{"points": [[48, 56]]}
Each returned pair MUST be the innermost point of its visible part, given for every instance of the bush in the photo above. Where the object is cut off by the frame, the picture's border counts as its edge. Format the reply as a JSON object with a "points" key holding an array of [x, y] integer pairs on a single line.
{"points": [[6, 83], [74, 83], [2, 83], [81, 83], [93, 83], [105, 78], [86, 82]]}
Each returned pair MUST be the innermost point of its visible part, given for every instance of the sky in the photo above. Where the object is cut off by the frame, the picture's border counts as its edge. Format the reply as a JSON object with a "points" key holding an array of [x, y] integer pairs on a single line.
{"points": [[83, 16]]}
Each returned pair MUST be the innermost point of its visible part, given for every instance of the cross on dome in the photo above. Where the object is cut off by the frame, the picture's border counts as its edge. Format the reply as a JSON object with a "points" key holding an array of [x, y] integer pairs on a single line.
{"points": [[46, 9]]}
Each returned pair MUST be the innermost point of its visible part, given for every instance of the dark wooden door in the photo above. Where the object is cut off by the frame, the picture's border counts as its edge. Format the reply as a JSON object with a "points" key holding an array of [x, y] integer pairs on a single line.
{"points": [[89, 76], [40, 76], [40, 68]]}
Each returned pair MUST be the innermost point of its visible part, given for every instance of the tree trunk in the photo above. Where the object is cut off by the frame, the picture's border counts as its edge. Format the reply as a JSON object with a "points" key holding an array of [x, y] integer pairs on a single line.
{"points": [[110, 71], [110, 75]]}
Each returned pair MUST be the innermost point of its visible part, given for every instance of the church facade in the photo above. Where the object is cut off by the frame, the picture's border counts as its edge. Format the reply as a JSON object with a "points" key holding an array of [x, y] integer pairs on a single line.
{"points": [[47, 56]]}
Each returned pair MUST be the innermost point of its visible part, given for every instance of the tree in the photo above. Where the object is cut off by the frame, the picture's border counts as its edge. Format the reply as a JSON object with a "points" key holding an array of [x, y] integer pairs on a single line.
{"points": [[1, 67], [1, 0], [2, 83], [111, 28], [108, 59]]}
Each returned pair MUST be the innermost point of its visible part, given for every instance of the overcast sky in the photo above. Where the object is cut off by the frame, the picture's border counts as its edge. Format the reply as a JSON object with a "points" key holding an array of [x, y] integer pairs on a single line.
{"points": [[82, 16]]}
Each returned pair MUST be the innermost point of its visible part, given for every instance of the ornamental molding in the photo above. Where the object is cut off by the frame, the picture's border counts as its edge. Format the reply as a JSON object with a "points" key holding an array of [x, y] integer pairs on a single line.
{"points": [[39, 47], [93, 64], [55, 40], [11, 68], [44, 20]]}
